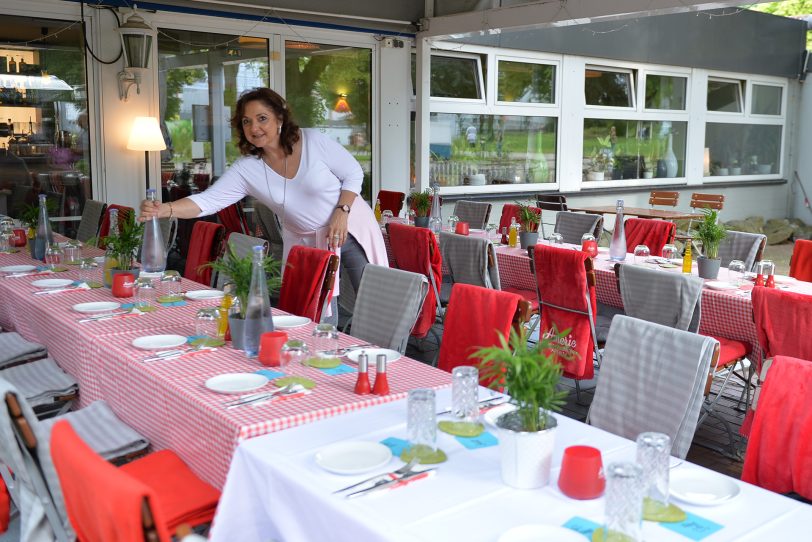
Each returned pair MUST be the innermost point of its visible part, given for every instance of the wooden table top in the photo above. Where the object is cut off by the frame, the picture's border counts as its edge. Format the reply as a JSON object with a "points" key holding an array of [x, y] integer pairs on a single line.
{"points": [[642, 212]]}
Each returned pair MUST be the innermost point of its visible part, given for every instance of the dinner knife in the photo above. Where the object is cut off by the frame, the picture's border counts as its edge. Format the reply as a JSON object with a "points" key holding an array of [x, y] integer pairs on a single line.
{"points": [[391, 484]]}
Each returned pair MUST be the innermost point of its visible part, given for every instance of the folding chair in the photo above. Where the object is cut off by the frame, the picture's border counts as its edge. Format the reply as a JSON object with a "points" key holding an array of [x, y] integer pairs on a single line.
{"points": [[91, 220], [242, 245], [14, 350], [391, 201], [475, 213], [207, 240], [470, 260], [387, 306], [572, 226], [739, 245], [655, 234], [271, 228], [143, 500], [652, 379], [48, 389], [510, 211], [233, 219], [308, 281], [800, 263], [551, 202], [778, 450], [665, 199], [702, 201]]}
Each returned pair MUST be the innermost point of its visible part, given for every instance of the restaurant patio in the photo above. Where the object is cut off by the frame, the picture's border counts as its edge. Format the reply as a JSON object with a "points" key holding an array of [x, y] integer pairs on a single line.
{"points": [[563, 174]]}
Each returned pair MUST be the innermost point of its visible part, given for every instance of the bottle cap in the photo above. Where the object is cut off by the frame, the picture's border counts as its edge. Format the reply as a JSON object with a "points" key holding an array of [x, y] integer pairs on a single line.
{"points": [[380, 363], [620, 203], [363, 363]]}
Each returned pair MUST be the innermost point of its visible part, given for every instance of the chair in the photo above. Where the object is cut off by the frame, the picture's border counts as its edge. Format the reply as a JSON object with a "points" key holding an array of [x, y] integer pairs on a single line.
{"points": [[475, 319], [416, 250], [91, 220], [387, 306], [233, 218], [572, 226], [207, 238], [510, 211], [800, 263], [470, 260], [169, 231], [475, 213], [667, 199], [15, 350], [652, 379], [703, 201], [655, 234], [739, 245], [243, 245], [104, 229], [391, 201], [45, 386], [551, 202], [307, 281], [141, 501], [779, 447], [271, 228]]}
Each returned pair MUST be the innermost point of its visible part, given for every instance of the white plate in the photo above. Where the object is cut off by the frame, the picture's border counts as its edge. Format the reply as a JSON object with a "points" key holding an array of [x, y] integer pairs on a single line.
{"points": [[197, 295], [97, 306], [539, 533], [353, 457], [99, 259], [493, 414], [720, 285], [236, 382], [702, 488], [158, 342], [372, 353], [17, 268], [287, 322], [51, 283]]}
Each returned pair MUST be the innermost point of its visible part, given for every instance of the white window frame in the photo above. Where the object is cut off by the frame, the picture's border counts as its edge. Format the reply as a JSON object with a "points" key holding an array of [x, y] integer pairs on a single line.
{"points": [[751, 94], [480, 79], [742, 99], [644, 74], [524, 60], [633, 73]]}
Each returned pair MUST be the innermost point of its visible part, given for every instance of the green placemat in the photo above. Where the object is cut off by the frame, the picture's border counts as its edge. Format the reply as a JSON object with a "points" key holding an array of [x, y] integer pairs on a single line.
{"points": [[659, 512], [614, 536], [207, 342], [59, 269], [461, 429], [306, 383], [169, 298], [74, 262], [426, 455], [10, 251], [94, 284], [323, 363], [148, 308]]}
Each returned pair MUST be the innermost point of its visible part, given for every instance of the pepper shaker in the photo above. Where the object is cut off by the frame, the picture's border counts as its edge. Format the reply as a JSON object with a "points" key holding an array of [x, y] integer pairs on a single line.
{"points": [[381, 386], [362, 384]]}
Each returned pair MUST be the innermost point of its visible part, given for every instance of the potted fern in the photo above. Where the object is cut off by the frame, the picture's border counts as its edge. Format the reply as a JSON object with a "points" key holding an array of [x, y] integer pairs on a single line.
{"points": [[710, 233], [529, 220], [420, 203], [531, 375]]}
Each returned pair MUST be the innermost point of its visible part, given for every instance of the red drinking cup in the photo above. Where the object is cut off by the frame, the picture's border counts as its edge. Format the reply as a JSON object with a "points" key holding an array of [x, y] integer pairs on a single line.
{"points": [[270, 347], [590, 247], [123, 285], [20, 239], [462, 228], [582, 473]]}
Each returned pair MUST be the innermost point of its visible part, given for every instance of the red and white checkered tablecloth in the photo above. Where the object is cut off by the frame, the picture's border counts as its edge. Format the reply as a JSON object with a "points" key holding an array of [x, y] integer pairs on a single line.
{"points": [[166, 401]]}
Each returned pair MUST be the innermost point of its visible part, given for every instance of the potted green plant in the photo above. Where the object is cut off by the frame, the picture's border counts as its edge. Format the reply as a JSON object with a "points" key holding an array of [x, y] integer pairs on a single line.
{"points": [[531, 376], [123, 246], [420, 203], [529, 220], [238, 272], [600, 159], [710, 233]]}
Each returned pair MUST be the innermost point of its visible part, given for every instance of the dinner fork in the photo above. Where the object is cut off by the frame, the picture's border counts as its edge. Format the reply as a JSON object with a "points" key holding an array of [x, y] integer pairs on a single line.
{"points": [[290, 388], [398, 473]]}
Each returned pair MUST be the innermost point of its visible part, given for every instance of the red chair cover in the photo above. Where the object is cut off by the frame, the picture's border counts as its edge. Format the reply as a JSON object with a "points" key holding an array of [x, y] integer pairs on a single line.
{"points": [[5, 507], [562, 282], [201, 180], [783, 321], [179, 192], [416, 250], [104, 229], [302, 281], [206, 237], [801, 265], [166, 176], [655, 234], [509, 211], [780, 445], [233, 218], [391, 201], [474, 319]]}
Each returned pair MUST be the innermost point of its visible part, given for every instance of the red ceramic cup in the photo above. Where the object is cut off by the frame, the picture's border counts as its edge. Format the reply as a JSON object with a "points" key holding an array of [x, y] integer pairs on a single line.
{"points": [[123, 285], [20, 239], [582, 473], [590, 247], [270, 346], [461, 228]]}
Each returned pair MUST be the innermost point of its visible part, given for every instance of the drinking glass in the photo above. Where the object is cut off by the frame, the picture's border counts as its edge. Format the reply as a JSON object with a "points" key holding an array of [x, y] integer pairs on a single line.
{"points": [[89, 273], [73, 252], [5, 241], [170, 287], [768, 270], [294, 351], [670, 252], [325, 341], [53, 256], [464, 393], [623, 511], [641, 254], [410, 216], [452, 222], [144, 293], [207, 324], [421, 422], [386, 216], [653, 455], [736, 272], [490, 230], [556, 238]]}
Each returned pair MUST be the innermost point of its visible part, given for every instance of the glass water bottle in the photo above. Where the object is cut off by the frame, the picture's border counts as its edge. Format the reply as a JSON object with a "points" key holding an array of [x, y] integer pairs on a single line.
{"points": [[258, 308], [153, 250], [44, 237], [617, 248]]}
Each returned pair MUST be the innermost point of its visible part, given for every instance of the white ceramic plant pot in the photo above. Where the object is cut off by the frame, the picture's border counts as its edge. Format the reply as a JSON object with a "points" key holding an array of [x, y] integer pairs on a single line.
{"points": [[526, 457], [723, 171], [478, 179], [735, 171], [648, 174], [594, 176], [764, 169]]}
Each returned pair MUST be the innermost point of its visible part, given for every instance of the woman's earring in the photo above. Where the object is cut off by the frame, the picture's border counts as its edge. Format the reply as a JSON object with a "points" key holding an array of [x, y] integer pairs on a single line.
{"points": [[279, 131]]}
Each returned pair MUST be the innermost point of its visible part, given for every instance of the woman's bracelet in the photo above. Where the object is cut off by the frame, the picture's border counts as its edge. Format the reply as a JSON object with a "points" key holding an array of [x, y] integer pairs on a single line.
{"points": [[170, 210]]}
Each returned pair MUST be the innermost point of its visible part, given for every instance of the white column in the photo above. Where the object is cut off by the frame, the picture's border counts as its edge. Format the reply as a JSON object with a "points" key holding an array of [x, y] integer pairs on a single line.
{"points": [[395, 95]]}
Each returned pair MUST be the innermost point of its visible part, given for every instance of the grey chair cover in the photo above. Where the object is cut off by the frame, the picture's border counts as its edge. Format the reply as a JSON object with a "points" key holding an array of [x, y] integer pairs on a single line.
{"points": [[739, 245], [467, 260], [15, 349], [91, 220], [271, 228], [572, 226], [669, 299], [652, 379], [243, 246], [387, 306], [41, 381], [475, 213]]}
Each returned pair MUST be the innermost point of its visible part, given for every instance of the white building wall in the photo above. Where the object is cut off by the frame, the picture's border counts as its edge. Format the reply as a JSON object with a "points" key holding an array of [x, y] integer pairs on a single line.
{"points": [[803, 166]]}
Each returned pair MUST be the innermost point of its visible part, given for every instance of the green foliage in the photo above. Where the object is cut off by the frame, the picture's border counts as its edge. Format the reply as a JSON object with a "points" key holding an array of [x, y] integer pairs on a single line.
{"points": [[176, 79], [711, 233], [29, 216], [124, 245], [788, 8], [238, 271], [420, 202], [528, 218], [529, 374]]}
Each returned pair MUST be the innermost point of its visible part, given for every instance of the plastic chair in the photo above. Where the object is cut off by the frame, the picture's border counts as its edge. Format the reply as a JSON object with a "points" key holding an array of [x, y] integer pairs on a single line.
{"points": [[475, 213], [233, 218], [307, 281], [572, 226], [243, 245], [800, 263], [205, 244], [91, 220], [391, 201], [655, 234], [140, 501], [739, 245]]}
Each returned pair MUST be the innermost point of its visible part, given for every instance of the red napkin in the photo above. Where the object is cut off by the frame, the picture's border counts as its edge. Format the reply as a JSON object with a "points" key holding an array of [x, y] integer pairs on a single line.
{"points": [[779, 451], [5, 507], [391, 201], [562, 282], [801, 263], [204, 235], [301, 283], [655, 234]]}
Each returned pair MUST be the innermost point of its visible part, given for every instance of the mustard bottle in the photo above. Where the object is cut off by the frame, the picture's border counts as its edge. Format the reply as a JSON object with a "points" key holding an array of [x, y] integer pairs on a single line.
{"points": [[513, 234], [687, 259]]}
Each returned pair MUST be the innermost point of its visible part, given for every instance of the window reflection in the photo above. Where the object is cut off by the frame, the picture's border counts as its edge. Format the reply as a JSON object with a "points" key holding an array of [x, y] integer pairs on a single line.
{"points": [[611, 88], [743, 149]]}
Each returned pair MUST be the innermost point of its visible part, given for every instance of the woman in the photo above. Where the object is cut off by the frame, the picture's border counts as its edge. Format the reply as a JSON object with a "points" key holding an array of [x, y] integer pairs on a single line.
{"points": [[310, 181]]}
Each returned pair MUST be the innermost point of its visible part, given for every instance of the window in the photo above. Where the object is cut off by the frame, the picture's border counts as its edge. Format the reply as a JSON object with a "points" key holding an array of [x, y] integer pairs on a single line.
{"points": [[456, 77], [524, 82], [43, 119], [725, 95], [743, 149], [609, 87], [666, 92], [766, 100]]}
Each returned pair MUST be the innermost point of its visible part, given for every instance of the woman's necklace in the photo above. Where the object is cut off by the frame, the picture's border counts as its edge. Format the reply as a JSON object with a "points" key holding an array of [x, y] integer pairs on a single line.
{"points": [[284, 185]]}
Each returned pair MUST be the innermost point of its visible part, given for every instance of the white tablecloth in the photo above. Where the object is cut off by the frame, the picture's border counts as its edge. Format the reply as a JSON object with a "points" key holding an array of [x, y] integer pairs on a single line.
{"points": [[275, 491]]}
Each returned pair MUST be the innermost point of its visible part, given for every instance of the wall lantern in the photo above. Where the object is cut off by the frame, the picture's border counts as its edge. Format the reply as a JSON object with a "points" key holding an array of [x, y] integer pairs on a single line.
{"points": [[342, 106], [136, 44]]}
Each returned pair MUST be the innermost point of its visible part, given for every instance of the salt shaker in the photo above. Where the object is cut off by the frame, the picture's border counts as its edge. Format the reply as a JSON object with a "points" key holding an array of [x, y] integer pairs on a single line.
{"points": [[362, 384], [381, 386]]}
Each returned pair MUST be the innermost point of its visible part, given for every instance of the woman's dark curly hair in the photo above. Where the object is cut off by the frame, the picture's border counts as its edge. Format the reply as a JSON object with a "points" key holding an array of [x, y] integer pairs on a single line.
{"points": [[290, 130]]}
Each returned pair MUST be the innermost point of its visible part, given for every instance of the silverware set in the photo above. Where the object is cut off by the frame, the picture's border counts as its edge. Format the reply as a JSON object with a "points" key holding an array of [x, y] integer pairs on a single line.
{"points": [[402, 471], [342, 351], [60, 290], [29, 274], [290, 389], [110, 316], [174, 354], [488, 401]]}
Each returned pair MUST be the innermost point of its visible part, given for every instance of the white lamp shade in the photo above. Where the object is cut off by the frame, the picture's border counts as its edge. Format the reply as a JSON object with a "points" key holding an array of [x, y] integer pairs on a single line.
{"points": [[146, 135]]}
